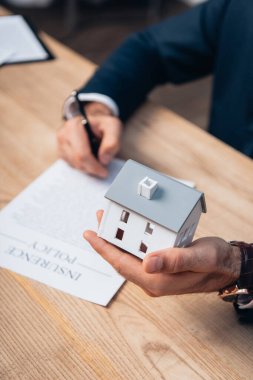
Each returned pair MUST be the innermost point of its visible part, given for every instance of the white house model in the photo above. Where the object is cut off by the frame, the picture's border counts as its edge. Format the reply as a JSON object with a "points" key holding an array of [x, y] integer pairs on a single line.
{"points": [[148, 211]]}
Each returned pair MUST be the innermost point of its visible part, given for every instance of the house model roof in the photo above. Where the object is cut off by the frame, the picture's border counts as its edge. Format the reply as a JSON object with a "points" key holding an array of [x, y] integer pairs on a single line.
{"points": [[171, 203]]}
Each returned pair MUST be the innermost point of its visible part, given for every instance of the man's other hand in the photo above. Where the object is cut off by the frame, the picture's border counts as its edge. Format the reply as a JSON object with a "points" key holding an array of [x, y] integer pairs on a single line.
{"points": [[208, 264]]}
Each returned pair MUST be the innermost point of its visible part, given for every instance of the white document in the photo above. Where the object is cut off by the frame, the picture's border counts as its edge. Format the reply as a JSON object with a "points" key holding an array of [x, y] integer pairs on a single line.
{"points": [[184, 181], [18, 43], [41, 233]]}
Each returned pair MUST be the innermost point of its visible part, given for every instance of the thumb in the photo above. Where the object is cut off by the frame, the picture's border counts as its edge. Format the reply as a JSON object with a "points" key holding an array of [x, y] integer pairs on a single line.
{"points": [[172, 260], [110, 143]]}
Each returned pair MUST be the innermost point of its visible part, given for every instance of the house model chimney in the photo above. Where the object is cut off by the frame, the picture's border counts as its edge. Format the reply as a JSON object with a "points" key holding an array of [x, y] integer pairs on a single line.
{"points": [[147, 187]]}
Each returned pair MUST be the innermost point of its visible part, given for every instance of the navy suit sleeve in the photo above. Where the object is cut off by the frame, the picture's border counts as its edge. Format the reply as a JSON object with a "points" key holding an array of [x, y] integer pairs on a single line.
{"points": [[177, 50]]}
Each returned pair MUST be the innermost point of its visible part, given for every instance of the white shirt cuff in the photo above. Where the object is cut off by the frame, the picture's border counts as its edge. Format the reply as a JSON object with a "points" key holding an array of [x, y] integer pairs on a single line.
{"points": [[246, 306], [104, 99]]}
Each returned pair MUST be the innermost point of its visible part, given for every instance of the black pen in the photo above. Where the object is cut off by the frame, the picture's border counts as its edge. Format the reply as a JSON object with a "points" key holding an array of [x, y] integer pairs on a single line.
{"points": [[74, 107], [93, 139]]}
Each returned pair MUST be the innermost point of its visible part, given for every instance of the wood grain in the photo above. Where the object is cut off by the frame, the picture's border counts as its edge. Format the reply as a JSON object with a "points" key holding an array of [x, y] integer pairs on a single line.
{"points": [[46, 334]]}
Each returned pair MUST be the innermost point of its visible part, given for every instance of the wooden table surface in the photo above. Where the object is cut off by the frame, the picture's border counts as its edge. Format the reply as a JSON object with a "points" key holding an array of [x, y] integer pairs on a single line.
{"points": [[46, 334]]}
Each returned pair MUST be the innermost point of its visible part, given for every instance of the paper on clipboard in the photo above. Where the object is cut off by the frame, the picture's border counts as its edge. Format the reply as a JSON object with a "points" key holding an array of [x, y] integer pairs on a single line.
{"points": [[19, 42]]}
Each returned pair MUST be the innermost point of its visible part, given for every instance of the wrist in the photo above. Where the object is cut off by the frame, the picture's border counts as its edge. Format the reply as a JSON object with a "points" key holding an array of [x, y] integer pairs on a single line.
{"points": [[97, 109], [246, 271], [229, 267], [236, 262], [71, 107], [243, 282]]}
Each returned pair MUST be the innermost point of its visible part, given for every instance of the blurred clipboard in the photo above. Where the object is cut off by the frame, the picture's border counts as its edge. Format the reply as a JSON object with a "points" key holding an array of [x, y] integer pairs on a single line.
{"points": [[20, 43]]}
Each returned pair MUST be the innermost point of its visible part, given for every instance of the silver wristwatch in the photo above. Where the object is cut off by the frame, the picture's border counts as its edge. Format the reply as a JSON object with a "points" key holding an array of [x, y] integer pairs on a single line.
{"points": [[72, 107]]}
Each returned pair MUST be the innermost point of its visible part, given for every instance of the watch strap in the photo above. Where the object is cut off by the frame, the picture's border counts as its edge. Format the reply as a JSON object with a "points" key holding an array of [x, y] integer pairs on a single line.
{"points": [[72, 106], [245, 280]]}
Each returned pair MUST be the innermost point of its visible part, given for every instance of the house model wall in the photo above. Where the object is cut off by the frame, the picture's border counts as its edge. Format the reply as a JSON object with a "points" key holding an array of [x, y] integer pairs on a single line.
{"points": [[148, 211]]}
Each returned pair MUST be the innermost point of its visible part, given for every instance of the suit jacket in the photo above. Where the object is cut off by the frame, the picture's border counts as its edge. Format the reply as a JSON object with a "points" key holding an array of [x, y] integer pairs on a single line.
{"points": [[215, 37]]}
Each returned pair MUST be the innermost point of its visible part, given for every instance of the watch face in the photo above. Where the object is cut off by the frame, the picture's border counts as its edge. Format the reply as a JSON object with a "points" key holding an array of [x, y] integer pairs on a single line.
{"points": [[71, 108]]}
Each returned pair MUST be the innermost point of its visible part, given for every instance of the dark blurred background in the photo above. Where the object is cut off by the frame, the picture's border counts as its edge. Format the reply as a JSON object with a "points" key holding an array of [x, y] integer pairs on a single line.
{"points": [[94, 28]]}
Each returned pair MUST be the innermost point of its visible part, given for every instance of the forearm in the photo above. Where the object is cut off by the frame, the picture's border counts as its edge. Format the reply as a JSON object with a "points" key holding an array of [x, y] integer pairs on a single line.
{"points": [[128, 75], [176, 50]]}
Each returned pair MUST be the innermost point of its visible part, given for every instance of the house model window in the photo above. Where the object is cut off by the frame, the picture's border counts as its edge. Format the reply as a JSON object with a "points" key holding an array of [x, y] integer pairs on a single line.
{"points": [[149, 228], [124, 216], [119, 234], [143, 248]]}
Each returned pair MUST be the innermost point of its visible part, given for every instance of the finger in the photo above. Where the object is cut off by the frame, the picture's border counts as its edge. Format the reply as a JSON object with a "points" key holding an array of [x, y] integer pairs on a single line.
{"points": [[66, 152], [92, 166], [124, 263], [99, 216], [82, 156], [172, 260], [110, 143], [109, 252]]}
